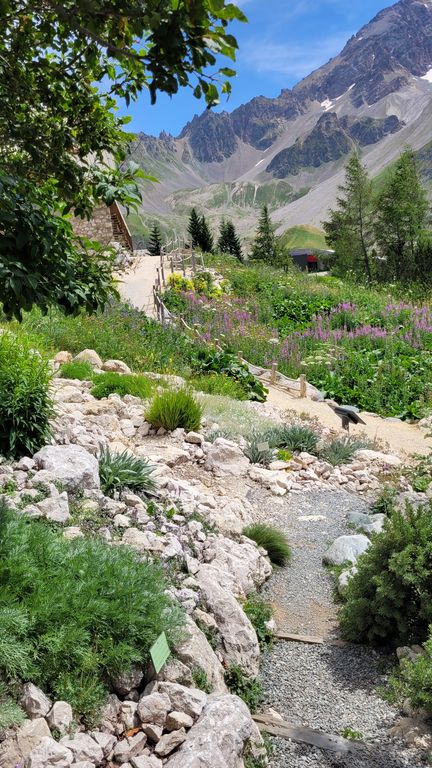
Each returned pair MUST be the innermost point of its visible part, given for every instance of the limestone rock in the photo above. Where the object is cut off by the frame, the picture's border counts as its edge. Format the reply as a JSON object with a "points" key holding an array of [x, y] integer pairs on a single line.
{"points": [[169, 742], [378, 458], [63, 357], [239, 640], [177, 720], [89, 356], [84, 747], [14, 750], [344, 579], [154, 708], [55, 508], [143, 541], [144, 761], [117, 366], [194, 438], [197, 653], [49, 753], [219, 738], [226, 458], [188, 700], [60, 716], [346, 549], [241, 562], [128, 748], [125, 682], [71, 465], [34, 702], [105, 740]]}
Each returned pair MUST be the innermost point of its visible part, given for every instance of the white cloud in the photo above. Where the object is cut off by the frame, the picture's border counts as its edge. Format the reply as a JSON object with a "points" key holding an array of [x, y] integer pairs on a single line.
{"points": [[297, 60]]}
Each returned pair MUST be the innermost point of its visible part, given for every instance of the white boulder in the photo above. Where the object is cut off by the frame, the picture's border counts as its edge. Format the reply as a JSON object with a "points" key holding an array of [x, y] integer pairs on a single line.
{"points": [[34, 702], [226, 458], [49, 753], [89, 356], [196, 653], [188, 700], [72, 465], [346, 549], [60, 716]]}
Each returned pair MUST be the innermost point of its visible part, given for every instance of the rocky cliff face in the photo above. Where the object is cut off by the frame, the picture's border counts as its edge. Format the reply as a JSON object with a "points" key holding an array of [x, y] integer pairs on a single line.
{"points": [[376, 93]]}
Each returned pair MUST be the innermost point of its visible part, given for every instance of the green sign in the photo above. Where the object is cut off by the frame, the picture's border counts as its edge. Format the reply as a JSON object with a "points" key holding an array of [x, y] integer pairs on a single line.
{"points": [[160, 652]]}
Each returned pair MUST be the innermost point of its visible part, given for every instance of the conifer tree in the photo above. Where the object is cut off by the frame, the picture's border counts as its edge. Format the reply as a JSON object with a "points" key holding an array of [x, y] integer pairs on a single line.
{"points": [[155, 243], [401, 218], [206, 238], [264, 247], [349, 229], [194, 229], [229, 241]]}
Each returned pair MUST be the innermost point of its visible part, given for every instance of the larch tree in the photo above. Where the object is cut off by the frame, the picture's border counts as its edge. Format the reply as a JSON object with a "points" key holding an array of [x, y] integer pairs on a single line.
{"points": [[349, 229]]}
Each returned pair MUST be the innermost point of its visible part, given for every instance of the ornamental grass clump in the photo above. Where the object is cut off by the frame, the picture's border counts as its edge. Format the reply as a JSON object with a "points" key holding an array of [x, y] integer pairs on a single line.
{"points": [[272, 540], [174, 409], [25, 403], [77, 369], [75, 614], [121, 471], [122, 384]]}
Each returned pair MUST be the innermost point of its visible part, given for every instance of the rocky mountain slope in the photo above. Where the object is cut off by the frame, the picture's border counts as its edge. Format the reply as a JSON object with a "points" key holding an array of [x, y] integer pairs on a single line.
{"points": [[290, 151]]}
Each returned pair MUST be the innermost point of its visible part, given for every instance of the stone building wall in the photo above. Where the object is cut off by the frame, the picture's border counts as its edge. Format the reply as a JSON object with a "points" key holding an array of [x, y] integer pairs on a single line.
{"points": [[99, 227]]}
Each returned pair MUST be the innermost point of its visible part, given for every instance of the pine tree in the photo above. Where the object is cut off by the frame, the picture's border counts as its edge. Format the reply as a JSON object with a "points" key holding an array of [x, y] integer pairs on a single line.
{"points": [[206, 238], [401, 218], [349, 229], [264, 246], [155, 242], [194, 229], [229, 241]]}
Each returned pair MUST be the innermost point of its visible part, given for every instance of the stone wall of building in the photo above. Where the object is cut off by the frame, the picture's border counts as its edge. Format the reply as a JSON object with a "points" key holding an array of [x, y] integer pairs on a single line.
{"points": [[99, 227]]}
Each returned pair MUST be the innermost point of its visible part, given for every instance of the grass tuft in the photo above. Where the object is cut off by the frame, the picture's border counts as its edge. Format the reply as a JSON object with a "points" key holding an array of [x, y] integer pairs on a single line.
{"points": [[122, 384], [273, 541], [76, 370], [119, 471], [174, 409], [341, 450]]}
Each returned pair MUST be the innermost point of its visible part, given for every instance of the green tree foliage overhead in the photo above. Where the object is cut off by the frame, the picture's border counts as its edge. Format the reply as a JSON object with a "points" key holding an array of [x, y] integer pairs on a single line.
{"points": [[401, 218], [349, 229], [62, 68], [264, 247], [229, 241], [155, 243]]}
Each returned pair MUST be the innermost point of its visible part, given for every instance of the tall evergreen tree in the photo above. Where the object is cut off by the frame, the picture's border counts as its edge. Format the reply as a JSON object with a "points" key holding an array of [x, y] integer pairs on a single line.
{"points": [[155, 242], [194, 229], [401, 218], [349, 229], [206, 238], [229, 241], [264, 246]]}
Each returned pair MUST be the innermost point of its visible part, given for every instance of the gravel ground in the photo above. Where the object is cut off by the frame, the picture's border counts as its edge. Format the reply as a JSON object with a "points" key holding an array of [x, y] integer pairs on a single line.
{"points": [[326, 687]]}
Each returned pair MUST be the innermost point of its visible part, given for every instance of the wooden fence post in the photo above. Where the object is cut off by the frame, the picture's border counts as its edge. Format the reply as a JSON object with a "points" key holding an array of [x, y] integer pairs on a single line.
{"points": [[163, 275], [183, 264], [193, 262], [273, 372], [303, 387], [172, 265]]}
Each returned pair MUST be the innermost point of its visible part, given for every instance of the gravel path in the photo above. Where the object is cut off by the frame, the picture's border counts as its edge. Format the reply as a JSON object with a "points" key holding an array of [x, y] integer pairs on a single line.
{"points": [[326, 687]]}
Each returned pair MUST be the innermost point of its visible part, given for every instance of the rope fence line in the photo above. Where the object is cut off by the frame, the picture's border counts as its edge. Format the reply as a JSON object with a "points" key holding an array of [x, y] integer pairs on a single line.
{"points": [[182, 257]]}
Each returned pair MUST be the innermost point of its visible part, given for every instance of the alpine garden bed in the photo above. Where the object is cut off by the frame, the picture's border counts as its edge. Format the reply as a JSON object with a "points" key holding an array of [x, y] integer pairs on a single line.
{"points": [[359, 347]]}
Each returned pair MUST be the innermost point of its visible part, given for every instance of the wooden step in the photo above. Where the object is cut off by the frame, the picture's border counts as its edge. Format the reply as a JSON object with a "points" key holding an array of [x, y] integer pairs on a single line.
{"points": [[303, 735]]}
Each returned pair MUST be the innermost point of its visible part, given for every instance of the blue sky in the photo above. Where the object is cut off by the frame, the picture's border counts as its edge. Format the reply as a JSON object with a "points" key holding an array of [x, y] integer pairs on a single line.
{"points": [[283, 42]]}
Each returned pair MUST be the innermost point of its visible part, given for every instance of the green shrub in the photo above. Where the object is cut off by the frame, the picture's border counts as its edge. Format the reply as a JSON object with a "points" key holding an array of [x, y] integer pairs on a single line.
{"points": [[76, 370], [295, 437], [341, 450], [10, 713], [201, 680], [256, 452], [74, 614], [249, 690], [413, 680], [273, 541], [219, 361], [284, 455], [25, 404], [389, 600], [259, 613], [173, 409], [385, 502], [123, 470], [219, 384], [122, 384]]}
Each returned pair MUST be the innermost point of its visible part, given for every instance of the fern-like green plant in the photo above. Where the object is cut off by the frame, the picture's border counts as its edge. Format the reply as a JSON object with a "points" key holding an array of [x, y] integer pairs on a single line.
{"points": [[272, 540], [119, 471], [173, 409]]}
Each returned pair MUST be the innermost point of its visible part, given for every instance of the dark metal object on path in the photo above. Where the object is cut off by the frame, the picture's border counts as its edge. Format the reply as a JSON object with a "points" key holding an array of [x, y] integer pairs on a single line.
{"points": [[347, 415]]}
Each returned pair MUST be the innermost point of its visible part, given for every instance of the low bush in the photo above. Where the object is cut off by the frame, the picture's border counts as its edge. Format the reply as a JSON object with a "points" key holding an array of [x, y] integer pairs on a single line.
{"points": [[77, 369], [294, 437], [259, 614], [219, 384], [75, 614], [219, 361], [249, 690], [273, 541], [385, 503], [10, 713], [119, 471], [25, 403], [341, 450], [122, 384], [173, 409], [413, 680], [389, 599]]}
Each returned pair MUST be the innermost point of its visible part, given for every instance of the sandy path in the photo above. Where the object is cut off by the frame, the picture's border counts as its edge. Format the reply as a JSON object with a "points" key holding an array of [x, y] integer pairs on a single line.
{"points": [[400, 437], [136, 285]]}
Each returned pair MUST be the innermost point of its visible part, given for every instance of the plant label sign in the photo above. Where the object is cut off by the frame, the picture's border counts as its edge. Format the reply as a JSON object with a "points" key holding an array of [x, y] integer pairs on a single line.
{"points": [[160, 652], [263, 447]]}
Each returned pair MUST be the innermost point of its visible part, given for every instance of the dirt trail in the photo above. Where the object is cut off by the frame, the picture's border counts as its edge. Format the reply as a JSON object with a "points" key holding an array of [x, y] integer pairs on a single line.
{"points": [[400, 437], [136, 285]]}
